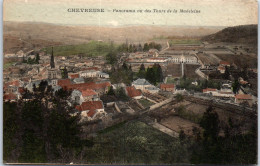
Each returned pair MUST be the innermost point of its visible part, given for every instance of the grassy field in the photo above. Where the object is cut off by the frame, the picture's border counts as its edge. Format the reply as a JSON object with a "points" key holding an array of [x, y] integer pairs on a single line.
{"points": [[92, 48], [184, 41], [145, 103], [135, 143], [170, 80]]}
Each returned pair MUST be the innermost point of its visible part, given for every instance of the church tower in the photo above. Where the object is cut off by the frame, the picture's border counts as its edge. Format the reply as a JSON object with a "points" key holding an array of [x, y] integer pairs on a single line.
{"points": [[52, 72], [52, 59]]}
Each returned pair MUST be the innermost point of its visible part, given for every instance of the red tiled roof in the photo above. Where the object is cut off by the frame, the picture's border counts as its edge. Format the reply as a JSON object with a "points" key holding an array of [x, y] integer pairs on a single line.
{"points": [[65, 82], [221, 68], [91, 106], [13, 83], [224, 63], [93, 68], [73, 75], [88, 92], [21, 90], [164, 86], [132, 92], [243, 97], [209, 89], [9, 96], [91, 85], [243, 82], [43, 71]]}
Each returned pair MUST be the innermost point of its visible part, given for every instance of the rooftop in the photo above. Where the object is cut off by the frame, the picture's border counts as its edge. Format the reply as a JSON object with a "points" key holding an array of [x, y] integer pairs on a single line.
{"points": [[140, 81], [163, 86], [132, 92], [243, 97], [90, 106]]}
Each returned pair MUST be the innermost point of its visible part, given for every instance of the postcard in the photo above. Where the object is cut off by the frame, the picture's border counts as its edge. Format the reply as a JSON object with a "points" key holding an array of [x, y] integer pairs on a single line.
{"points": [[130, 82]]}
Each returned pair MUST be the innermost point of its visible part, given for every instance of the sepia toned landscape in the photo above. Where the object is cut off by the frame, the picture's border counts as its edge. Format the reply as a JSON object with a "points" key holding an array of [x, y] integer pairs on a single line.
{"points": [[129, 94]]}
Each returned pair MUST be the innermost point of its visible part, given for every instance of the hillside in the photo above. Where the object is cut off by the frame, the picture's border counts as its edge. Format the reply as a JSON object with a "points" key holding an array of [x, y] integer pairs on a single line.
{"points": [[244, 34], [68, 34], [13, 44]]}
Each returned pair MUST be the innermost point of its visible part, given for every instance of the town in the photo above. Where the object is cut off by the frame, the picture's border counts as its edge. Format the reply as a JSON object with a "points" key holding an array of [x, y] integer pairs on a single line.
{"points": [[194, 71], [169, 86]]}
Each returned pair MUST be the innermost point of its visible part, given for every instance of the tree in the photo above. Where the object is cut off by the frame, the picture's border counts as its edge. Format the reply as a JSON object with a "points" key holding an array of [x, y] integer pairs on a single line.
{"points": [[130, 48], [124, 66], [120, 93], [150, 75], [141, 73], [140, 48], [47, 132], [158, 72], [235, 86], [111, 58], [111, 91], [146, 47], [142, 68], [227, 73], [64, 73], [179, 97], [210, 124], [37, 58]]}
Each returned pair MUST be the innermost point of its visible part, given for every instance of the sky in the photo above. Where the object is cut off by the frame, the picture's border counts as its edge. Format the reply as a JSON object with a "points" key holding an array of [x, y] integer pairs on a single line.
{"points": [[212, 12]]}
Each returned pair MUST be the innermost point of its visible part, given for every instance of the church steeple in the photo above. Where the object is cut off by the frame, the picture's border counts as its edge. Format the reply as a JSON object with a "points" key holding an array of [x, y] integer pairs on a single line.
{"points": [[52, 59]]}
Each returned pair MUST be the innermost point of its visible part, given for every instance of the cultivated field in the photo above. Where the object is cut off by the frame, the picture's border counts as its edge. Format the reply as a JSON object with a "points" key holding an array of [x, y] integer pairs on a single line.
{"points": [[177, 124], [239, 60], [208, 59]]}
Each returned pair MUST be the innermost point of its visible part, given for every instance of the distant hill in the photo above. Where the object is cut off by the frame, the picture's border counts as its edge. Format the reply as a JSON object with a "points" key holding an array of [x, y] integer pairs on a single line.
{"points": [[14, 44], [245, 34], [68, 34]]}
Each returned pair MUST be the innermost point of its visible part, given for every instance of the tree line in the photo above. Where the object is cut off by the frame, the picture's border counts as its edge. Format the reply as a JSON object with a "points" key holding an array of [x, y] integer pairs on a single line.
{"points": [[39, 128], [152, 74]]}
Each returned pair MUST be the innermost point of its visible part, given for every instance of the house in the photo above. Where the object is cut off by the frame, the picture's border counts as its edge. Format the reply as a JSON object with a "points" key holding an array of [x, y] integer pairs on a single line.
{"points": [[221, 69], [73, 75], [102, 75], [242, 81], [244, 98], [88, 73], [210, 91], [141, 84], [89, 63], [157, 60], [9, 97], [152, 89], [167, 87], [64, 82], [133, 93], [99, 88], [224, 63], [195, 83], [91, 110], [145, 86], [89, 95], [76, 97]]}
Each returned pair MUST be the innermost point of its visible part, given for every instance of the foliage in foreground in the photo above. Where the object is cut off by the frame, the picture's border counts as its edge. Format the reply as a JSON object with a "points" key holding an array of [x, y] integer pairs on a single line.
{"points": [[41, 129]]}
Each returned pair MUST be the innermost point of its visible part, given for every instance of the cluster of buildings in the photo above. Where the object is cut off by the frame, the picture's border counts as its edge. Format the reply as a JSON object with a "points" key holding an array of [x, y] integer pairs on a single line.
{"points": [[63, 72], [164, 57], [85, 94], [226, 92], [88, 80]]}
